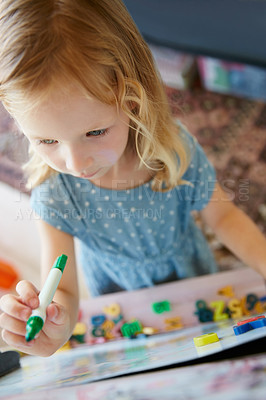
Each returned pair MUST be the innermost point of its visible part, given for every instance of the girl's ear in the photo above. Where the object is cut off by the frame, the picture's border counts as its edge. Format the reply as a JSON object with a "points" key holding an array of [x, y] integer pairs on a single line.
{"points": [[132, 105]]}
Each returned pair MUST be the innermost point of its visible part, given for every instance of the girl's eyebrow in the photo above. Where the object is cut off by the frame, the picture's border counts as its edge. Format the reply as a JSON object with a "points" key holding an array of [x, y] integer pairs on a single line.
{"points": [[103, 125], [83, 132], [95, 129]]}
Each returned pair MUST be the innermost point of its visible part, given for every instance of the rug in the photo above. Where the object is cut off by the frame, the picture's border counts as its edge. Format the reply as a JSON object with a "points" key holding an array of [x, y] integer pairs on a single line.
{"points": [[231, 130], [13, 152]]}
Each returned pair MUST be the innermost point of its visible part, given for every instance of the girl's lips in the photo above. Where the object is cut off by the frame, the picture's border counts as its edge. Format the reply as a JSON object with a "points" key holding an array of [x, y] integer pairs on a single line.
{"points": [[89, 175]]}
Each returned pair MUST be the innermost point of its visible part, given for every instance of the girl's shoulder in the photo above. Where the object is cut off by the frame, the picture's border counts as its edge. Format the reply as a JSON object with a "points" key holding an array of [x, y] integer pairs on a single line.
{"points": [[57, 188], [188, 138], [194, 148]]}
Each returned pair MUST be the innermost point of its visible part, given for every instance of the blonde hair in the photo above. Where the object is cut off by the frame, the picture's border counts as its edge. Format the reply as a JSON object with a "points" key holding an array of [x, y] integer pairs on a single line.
{"points": [[45, 44]]}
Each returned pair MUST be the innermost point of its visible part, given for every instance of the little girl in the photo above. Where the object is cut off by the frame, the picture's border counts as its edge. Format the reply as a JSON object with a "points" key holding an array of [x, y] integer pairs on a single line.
{"points": [[109, 166]]}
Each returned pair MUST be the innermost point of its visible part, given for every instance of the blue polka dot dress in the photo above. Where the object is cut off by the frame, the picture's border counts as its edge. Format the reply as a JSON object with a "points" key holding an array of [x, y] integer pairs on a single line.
{"points": [[135, 238]]}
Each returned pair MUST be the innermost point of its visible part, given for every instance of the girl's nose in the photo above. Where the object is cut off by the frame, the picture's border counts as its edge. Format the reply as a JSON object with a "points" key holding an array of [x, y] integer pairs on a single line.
{"points": [[77, 160]]}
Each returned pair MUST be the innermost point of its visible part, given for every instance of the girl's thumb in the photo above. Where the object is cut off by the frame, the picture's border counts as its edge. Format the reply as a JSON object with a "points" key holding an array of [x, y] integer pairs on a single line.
{"points": [[56, 314]]}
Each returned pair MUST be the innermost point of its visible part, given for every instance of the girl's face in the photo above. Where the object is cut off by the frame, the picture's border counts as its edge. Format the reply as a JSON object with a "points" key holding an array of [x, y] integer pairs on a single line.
{"points": [[76, 135]]}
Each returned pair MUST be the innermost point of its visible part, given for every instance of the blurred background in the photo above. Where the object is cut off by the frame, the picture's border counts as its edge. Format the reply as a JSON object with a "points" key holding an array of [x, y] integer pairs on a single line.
{"points": [[213, 64]]}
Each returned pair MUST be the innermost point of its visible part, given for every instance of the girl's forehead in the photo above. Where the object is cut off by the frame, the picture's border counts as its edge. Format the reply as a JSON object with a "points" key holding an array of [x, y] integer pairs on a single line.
{"points": [[73, 100], [62, 112]]}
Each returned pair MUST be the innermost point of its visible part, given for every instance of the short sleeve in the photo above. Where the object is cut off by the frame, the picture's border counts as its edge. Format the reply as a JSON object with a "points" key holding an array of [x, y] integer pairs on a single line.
{"points": [[52, 204], [200, 175]]}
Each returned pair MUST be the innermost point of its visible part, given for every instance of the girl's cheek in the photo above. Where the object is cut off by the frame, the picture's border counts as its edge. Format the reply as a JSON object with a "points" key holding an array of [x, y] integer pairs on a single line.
{"points": [[108, 155]]}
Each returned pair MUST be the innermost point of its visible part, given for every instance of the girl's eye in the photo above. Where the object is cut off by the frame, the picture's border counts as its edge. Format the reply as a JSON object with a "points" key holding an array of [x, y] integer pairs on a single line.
{"points": [[99, 132], [48, 141]]}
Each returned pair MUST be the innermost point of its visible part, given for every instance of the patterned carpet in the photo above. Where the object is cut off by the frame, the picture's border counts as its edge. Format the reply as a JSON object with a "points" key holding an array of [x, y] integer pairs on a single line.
{"points": [[232, 132], [13, 152]]}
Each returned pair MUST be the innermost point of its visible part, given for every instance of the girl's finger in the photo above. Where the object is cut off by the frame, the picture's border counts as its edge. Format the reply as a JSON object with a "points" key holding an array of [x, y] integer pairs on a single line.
{"points": [[12, 324], [28, 293], [12, 305], [57, 321], [42, 345], [16, 341]]}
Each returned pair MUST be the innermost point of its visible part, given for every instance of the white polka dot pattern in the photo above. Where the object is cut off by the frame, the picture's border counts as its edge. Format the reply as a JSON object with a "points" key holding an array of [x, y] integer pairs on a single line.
{"points": [[132, 238]]}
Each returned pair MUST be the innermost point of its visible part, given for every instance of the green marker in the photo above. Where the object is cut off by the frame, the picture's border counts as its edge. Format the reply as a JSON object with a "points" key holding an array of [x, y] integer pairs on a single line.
{"points": [[38, 316]]}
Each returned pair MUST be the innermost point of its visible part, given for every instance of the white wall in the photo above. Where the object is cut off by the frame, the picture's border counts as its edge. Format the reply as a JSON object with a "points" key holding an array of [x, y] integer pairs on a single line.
{"points": [[19, 241]]}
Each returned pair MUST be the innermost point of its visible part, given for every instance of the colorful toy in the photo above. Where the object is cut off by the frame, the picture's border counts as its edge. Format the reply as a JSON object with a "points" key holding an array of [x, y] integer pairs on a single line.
{"points": [[98, 332], [250, 320], [108, 327], [161, 307], [204, 313], [248, 326], [218, 306], [226, 291], [113, 310], [203, 340], [79, 332], [173, 323], [98, 320], [131, 328], [148, 330], [236, 308], [8, 275]]}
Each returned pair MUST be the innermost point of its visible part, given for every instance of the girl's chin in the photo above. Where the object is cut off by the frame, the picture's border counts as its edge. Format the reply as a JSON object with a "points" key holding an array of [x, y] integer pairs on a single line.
{"points": [[95, 175]]}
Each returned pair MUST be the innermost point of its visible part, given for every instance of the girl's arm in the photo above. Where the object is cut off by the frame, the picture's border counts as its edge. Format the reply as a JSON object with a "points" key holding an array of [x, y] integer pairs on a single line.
{"points": [[53, 244], [236, 230], [61, 313]]}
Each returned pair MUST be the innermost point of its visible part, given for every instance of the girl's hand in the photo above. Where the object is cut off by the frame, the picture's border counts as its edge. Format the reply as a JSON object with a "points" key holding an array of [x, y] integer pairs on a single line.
{"points": [[16, 312]]}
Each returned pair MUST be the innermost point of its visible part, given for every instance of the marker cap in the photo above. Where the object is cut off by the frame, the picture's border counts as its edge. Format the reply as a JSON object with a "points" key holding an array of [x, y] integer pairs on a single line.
{"points": [[34, 325], [60, 262]]}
